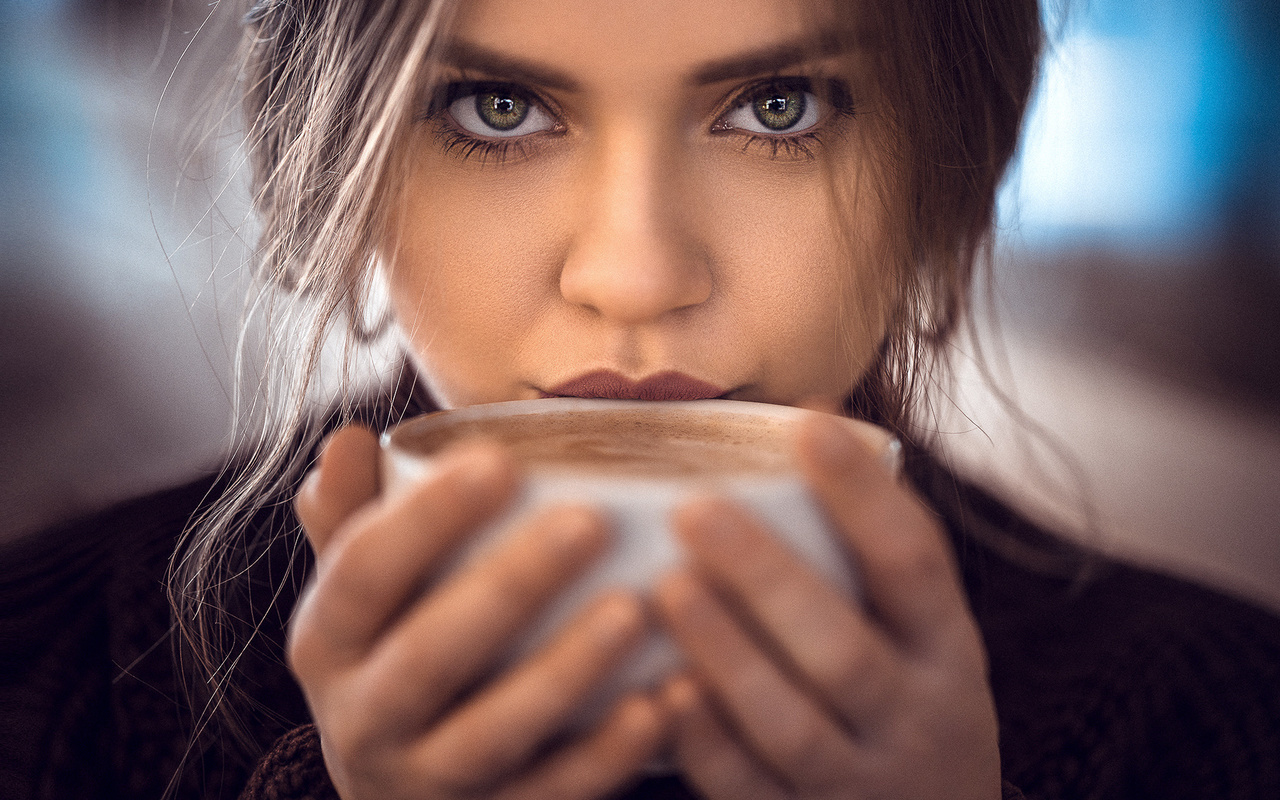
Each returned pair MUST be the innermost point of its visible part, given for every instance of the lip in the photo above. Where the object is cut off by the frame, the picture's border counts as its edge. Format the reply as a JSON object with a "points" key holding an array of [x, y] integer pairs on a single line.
{"points": [[609, 385]]}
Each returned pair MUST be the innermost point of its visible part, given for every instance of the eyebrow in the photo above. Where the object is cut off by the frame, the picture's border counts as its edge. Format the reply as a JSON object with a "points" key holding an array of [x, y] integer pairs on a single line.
{"points": [[465, 55], [776, 58]]}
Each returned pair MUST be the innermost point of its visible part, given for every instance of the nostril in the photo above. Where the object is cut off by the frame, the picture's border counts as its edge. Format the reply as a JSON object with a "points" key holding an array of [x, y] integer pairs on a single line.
{"points": [[634, 281]]}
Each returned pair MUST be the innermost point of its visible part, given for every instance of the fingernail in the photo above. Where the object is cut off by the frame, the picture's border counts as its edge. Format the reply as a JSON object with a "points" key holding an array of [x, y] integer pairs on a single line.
{"points": [[681, 695], [712, 523], [683, 595], [573, 531], [617, 620], [639, 716]]}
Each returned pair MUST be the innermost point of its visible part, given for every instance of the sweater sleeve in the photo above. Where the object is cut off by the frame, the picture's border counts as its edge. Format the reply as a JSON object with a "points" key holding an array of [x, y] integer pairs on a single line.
{"points": [[293, 769], [1176, 695]]}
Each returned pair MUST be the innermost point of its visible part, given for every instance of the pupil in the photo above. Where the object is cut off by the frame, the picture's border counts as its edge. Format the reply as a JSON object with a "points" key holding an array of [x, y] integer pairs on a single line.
{"points": [[778, 110], [501, 111]]}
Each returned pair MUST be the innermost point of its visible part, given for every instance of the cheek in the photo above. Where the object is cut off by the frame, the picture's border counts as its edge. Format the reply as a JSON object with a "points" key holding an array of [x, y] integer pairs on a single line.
{"points": [[473, 262], [476, 274], [808, 270]]}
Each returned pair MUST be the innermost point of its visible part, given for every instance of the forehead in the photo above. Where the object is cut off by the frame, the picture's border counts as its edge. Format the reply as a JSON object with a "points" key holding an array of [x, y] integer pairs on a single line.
{"points": [[661, 38]]}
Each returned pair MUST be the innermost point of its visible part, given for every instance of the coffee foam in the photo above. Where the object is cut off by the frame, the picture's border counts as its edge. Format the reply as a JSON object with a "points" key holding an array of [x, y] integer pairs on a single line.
{"points": [[625, 441]]}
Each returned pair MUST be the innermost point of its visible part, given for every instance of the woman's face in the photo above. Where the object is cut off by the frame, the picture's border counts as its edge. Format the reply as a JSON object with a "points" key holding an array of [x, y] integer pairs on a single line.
{"points": [[632, 198]]}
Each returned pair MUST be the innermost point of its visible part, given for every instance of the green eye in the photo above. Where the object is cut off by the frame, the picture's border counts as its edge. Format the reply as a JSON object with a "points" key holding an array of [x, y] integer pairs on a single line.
{"points": [[779, 110], [496, 110], [502, 111]]}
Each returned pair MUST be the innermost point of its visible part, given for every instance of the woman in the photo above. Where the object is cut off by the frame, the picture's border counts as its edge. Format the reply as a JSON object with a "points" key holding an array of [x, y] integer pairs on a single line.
{"points": [[763, 200]]}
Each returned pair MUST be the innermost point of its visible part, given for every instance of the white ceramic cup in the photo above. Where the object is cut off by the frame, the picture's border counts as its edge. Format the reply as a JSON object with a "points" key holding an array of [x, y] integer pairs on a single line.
{"points": [[636, 461]]}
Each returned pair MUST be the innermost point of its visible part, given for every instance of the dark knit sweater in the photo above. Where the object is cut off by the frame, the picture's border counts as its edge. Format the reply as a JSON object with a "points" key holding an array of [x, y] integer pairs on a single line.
{"points": [[1109, 681]]}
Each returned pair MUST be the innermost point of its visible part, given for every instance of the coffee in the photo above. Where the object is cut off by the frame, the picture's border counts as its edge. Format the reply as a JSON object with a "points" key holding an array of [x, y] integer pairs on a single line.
{"points": [[655, 440]]}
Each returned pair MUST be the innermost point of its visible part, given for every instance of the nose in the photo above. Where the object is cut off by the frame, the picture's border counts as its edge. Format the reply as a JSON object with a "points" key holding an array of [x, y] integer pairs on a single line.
{"points": [[633, 257]]}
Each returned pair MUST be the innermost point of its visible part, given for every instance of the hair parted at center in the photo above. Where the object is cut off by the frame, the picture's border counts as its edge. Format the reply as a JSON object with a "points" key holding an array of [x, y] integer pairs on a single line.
{"points": [[331, 90]]}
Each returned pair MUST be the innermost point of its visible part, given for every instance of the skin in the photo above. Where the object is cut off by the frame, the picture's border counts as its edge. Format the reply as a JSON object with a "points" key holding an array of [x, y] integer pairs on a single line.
{"points": [[639, 235], [637, 239]]}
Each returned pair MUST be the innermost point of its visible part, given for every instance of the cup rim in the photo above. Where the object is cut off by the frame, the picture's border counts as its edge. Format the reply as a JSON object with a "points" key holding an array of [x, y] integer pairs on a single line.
{"points": [[515, 408], [784, 472]]}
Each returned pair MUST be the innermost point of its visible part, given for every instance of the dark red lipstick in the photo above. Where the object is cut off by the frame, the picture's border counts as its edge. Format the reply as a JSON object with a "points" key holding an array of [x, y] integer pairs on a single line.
{"points": [[610, 385]]}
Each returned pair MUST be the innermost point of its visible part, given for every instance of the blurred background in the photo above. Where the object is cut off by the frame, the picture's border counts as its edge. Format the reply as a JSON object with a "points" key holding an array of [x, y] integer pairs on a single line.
{"points": [[1137, 285]]}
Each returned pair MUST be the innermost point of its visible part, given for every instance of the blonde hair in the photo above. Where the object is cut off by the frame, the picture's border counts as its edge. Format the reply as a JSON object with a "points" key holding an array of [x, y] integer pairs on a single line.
{"points": [[327, 88], [330, 88]]}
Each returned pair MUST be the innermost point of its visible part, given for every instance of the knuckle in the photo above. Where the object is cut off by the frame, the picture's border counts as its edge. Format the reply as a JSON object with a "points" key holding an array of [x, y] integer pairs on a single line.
{"points": [[517, 583], [841, 669], [752, 679], [299, 652], [449, 772], [304, 500], [304, 649], [778, 582], [351, 575], [351, 744], [801, 749], [970, 653], [365, 753], [528, 571]]}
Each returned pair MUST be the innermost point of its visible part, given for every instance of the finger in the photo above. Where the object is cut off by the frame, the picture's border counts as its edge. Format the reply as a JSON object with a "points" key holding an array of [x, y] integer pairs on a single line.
{"points": [[908, 571], [498, 731], [777, 721], [707, 754], [345, 478], [376, 565], [828, 644], [606, 761], [455, 635]]}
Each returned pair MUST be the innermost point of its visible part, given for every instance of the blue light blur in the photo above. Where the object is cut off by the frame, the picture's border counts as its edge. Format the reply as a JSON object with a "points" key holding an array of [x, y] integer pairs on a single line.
{"points": [[1156, 125]]}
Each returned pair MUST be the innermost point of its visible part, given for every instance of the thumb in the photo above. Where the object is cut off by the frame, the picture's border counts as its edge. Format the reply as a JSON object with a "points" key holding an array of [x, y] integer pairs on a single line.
{"points": [[345, 478]]}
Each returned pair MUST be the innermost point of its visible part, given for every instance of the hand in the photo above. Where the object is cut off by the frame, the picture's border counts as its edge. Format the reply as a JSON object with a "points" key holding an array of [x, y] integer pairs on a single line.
{"points": [[798, 692], [400, 682]]}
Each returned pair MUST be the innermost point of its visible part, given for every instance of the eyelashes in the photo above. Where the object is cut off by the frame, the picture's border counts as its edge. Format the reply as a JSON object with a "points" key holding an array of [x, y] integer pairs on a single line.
{"points": [[489, 121], [465, 147], [783, 118]]}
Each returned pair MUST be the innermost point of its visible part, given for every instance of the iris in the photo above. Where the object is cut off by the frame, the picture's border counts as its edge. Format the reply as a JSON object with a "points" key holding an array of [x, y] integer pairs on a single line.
{"points": [[779, 110], [501, 111]]}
